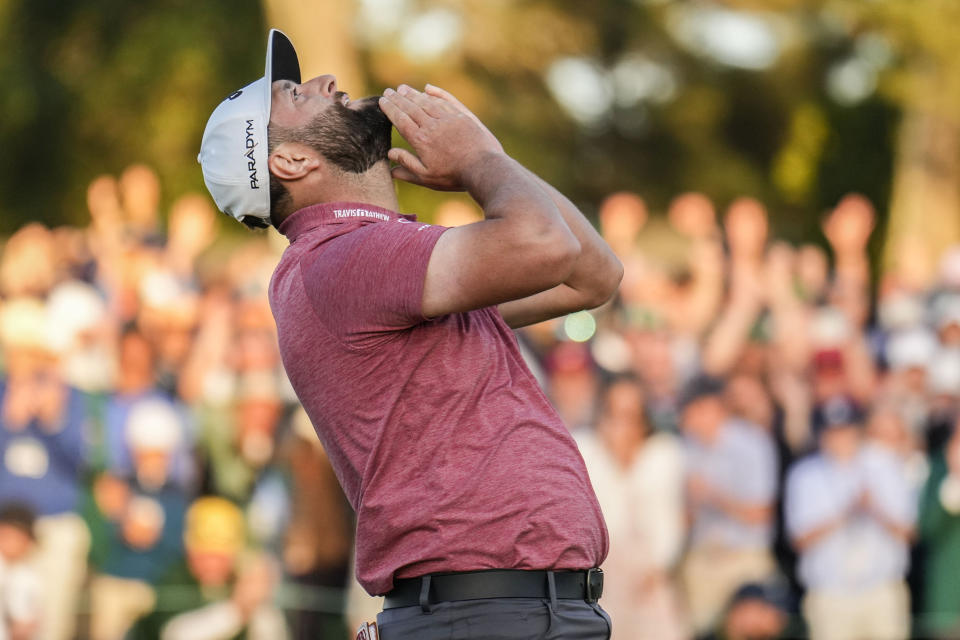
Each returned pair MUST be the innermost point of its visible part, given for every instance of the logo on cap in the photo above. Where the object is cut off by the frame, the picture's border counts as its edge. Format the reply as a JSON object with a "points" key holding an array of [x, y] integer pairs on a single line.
{"points": [[251, 161]]}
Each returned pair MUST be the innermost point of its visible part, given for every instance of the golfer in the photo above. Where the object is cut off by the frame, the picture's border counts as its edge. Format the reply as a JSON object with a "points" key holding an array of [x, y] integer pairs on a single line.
{"points": [[475, 515]]}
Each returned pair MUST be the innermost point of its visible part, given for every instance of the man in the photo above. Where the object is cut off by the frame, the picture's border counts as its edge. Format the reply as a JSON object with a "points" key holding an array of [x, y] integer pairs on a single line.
{"points": [[43, 454], [731, 489], [136, 519], [850, 513], [939, 530], [396, 337], [757, 611], [21, 587], [219, 590]]}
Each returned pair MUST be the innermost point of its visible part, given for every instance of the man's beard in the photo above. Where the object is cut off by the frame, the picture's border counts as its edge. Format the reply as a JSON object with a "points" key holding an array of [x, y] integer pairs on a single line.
{"points": [[352, 139]]}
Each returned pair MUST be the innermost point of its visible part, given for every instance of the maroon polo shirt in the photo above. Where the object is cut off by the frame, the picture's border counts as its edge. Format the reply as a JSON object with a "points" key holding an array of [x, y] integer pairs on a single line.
{"points": [[442, 439]]}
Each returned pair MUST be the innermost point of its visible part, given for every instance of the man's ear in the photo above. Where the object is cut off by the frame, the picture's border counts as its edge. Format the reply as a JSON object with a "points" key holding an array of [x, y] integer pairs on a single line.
{"points": [[292, 161]]}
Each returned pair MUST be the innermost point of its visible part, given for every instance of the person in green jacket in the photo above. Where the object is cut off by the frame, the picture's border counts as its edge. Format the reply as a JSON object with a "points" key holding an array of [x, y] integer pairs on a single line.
{"points": [[940, 536], [222, 591]]}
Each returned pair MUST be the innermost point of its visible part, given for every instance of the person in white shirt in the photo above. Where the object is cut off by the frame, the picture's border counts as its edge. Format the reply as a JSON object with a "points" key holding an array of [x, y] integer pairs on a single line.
{"points": [[638, 478], [850, 510], [21, 590], [731, 485]]}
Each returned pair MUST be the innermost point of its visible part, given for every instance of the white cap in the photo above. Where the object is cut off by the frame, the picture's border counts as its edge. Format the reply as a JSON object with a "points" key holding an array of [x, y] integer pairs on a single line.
{"points": [[72, 308], [943, 376], [946, 310], [25, 323], [829, 328], [910, 348], [233, 151], [950, 268], [153, 424], [900, 310]]}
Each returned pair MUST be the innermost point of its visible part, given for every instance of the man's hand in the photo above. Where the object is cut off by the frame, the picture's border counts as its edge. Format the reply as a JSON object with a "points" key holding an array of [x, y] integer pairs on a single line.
{"points": [[534, 255], [446, 137]]}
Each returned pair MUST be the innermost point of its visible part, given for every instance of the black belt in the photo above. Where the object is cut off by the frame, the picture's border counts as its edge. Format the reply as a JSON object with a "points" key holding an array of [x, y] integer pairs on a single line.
{"points": [[497, 583]]}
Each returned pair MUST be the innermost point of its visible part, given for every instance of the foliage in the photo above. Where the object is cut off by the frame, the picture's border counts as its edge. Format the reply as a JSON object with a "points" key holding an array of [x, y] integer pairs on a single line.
{"points": [[90, 87], [93, 86], [726, 131]]}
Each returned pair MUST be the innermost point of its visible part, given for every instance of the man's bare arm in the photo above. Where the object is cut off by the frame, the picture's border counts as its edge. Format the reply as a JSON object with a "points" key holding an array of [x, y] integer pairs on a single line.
{"points": [[596, 272], [594, 279], [521, 248]]}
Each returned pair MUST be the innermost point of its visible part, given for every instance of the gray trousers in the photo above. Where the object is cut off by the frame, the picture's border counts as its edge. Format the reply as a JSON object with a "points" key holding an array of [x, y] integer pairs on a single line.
{"points": [[497, 619]]}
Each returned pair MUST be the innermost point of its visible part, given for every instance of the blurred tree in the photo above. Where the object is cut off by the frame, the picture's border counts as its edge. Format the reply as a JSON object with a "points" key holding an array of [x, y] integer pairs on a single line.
{"points": [[730, 97], [925, 82], [323, 35], [615, 94], [919, 71], [93, 86]]}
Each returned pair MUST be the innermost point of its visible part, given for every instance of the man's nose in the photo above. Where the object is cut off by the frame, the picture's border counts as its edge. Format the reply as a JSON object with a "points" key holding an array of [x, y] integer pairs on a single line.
{"points": [[325, 85]]}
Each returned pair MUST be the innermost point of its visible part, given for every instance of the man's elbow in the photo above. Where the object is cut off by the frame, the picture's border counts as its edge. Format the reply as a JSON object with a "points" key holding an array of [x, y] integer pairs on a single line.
{"points": [[557, 253], [607, 281]]}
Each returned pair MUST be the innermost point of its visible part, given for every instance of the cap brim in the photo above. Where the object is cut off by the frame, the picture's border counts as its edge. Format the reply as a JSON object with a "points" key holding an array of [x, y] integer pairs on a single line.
{"points": [[282, 64]]}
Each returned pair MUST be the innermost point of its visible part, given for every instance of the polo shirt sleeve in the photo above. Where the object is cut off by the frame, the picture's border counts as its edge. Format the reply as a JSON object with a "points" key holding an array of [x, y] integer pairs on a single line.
{"points": [[368, 284]]}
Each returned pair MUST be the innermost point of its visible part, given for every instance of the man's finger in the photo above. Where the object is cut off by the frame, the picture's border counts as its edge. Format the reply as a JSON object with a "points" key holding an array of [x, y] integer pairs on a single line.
{"points": [[408, 106], [450, 99], [407, 160], [402, 173], [437, 92], [446, 96], [404, 123], [431, 105]]}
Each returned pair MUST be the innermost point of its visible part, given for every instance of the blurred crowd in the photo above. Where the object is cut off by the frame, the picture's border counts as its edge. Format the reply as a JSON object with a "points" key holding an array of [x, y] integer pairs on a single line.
{"points": [[769, 429], [157, 477]]}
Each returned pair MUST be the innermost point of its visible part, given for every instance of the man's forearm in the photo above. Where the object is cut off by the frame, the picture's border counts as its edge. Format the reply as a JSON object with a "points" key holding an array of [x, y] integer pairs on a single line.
{"points": [[803, 542], [508, 192], [597, 271]]}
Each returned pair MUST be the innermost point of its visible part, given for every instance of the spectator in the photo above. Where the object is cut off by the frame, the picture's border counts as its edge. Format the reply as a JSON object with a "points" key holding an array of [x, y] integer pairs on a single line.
{"points": [[850, 512], [138, 522], [572, 382], [239, 443], [42, 457], [757, 611], [731, 483], [192, 228], [318, 541], [783, 328], [139, 190], [84, 334], [27, 265], [220, 592], [939, 530], [136, 383], [909, 353], [638, 478], [21, 591]]}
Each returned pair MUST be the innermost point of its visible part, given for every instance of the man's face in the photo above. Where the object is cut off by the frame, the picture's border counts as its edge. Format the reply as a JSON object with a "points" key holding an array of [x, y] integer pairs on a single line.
{"points": [[352, 134], [703, 417], [15, 543], [840, 442]]}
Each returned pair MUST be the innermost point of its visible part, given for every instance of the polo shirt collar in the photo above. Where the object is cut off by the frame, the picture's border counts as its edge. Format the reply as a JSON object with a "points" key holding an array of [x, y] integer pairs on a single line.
{"points": [[309, 218]]}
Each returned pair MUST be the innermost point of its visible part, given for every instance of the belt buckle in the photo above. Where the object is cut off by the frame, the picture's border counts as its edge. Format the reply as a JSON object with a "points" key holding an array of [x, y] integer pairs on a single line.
{"points": [[594, 584]]}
